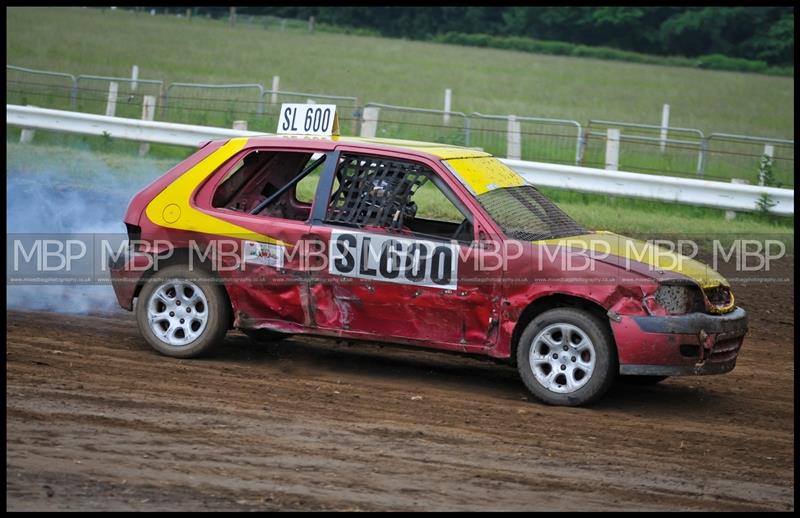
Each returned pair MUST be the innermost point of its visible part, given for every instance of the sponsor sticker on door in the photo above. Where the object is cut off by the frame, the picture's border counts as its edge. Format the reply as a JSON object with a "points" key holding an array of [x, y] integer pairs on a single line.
{"points": [[263, 253]]}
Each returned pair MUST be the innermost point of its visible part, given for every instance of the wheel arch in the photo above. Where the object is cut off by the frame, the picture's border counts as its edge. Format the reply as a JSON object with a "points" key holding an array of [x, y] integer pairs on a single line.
{"points": [[181, 257], [558, 300]]}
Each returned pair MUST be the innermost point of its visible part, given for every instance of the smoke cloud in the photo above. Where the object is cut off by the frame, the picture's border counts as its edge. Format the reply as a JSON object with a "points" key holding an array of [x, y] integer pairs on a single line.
{"points": [[55, 190]]}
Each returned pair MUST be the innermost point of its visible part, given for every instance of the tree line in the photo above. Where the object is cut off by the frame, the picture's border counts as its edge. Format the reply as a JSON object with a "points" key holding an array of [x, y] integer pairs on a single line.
{"points": [[754, 33]]}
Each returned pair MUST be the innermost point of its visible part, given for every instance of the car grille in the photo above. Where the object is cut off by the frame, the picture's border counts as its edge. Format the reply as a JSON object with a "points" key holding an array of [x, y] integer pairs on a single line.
{"points": [[725, 349]]}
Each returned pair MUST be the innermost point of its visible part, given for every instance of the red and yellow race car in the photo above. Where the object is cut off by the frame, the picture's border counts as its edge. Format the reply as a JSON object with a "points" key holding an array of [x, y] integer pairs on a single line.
{"points": [[412, 243]]}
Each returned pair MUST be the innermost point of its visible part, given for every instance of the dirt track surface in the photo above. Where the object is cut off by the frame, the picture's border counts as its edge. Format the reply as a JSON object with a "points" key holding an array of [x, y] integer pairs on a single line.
{"points": [[96, 420]]}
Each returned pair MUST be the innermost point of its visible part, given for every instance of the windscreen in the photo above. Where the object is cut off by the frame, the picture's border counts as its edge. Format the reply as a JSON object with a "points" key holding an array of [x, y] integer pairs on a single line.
{"points": [[521, 211], [526, 214]]}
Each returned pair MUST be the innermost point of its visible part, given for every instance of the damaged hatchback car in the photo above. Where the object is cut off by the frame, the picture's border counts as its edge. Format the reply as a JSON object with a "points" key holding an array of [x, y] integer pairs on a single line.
{"points": [[412, 243]]}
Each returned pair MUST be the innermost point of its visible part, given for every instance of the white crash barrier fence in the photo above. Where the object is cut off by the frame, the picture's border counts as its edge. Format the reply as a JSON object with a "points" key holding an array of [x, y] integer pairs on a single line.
{"points": [[728, 196], [117, 127], [720, 195]]}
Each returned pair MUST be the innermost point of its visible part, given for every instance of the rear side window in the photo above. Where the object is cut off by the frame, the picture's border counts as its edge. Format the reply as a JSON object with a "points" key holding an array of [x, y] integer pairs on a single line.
{"points": [[271, 183]]}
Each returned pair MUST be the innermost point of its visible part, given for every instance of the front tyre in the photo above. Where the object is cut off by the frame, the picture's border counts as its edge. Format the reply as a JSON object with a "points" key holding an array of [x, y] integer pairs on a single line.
{"points": [[182, 313], [566, 357]]}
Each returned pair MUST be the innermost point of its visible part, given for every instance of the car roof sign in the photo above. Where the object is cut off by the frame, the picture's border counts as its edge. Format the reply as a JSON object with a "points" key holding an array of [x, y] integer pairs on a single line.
{"points": [[308, 119]]}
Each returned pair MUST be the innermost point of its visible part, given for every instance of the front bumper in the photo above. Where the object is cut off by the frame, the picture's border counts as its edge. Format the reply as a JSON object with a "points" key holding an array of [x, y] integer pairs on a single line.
{"points": [[692, 344]]}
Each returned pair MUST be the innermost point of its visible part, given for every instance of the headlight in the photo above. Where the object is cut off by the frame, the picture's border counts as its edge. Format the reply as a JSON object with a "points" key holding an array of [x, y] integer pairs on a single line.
{"points": [[679, 299], [721, 299]]}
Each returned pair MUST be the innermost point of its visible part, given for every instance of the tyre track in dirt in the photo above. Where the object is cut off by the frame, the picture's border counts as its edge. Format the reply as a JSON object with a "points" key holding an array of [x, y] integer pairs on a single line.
{"points": [[97, 420]]}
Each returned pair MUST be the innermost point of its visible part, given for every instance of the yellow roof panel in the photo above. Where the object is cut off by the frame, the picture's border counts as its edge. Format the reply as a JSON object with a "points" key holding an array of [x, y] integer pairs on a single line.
{"points": [[443, 151]]}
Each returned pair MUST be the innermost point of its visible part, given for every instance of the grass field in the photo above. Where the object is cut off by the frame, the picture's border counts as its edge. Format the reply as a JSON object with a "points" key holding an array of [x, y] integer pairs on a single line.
{"points": [[107, 172], [392, 71]]}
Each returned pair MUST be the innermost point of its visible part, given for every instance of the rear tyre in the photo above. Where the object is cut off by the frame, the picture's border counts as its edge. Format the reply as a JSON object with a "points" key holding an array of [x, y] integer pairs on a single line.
{"points": [[566, 356], [182, 313]]}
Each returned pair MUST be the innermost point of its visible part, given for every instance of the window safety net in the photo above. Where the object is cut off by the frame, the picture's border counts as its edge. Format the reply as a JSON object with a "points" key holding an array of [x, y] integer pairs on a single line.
{"points": [[375, 191]]}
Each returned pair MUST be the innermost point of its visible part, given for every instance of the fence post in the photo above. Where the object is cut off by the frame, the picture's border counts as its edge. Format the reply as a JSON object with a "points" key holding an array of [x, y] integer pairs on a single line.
{"points": [[578, 146], [701, 157], [311, 24], [111, 107], [134, 76], [583, 141], [163, 95], [513, 150], [612, 149], [769, 152], [664, 126], [369, 125], [356, 114], [26, 136], [148, 114], [730, 214], [276, 84], [448, 95], [73, 94]]}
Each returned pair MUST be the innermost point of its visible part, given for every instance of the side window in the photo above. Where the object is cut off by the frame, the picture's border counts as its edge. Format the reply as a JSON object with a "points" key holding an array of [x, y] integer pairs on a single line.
{"points": [[396, 196], [307, 187], [271, 183]]}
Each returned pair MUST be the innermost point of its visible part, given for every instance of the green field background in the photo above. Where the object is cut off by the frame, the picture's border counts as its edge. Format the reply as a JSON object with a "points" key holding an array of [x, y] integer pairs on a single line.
{"points": [[393, 71]]}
